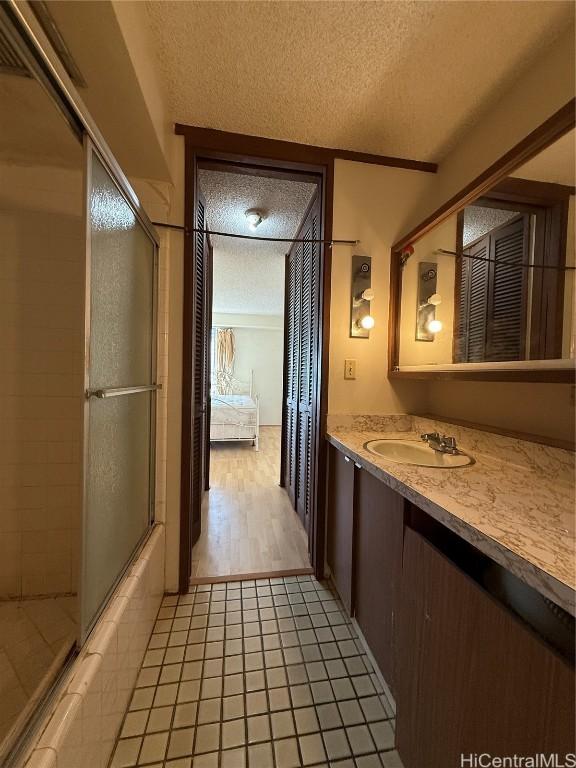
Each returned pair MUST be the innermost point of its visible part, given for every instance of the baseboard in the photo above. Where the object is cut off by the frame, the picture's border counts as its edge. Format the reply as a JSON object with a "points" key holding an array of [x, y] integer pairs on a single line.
{"points": [[249, 576]]}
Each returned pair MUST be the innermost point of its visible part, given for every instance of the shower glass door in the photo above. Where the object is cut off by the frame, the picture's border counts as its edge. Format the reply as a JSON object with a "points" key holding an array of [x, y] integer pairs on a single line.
{"points": [[120, 388]]}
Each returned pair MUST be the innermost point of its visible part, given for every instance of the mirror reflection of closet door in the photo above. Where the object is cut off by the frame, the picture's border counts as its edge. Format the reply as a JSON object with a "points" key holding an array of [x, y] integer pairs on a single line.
{"points": [[120, 386]]}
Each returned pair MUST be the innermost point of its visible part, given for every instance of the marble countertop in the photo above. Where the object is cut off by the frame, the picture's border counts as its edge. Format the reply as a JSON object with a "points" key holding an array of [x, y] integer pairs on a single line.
{"points": [[515, 504]]}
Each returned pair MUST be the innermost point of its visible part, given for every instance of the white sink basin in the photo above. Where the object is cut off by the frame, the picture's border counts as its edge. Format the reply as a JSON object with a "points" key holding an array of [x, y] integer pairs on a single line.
{"points": [[416, 453]]}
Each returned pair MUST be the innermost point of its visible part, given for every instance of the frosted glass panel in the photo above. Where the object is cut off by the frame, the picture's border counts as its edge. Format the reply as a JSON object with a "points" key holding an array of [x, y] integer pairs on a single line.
{"points": [[120, 428], [122, 277], [118, 492]]}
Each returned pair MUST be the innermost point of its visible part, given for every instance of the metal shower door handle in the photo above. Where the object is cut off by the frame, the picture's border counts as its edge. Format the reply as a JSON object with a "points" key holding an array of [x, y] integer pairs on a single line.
{"points": [[119, 391]]}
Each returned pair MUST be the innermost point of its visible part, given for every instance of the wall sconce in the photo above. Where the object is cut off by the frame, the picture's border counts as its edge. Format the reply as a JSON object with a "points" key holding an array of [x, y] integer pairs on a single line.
{"points": [[361, 294], [427, 326]]}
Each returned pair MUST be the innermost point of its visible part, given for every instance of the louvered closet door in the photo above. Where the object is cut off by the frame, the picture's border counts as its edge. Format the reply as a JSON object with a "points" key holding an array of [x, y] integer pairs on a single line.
{"points": [[307, 365], [460, 344], [506, 326], [474, 303], [293, 311], [492, 300], [302, 342], [198, 369]]}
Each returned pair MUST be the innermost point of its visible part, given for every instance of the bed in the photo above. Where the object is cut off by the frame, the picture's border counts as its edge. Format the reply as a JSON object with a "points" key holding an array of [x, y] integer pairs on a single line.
{"points": [[235, 413]]}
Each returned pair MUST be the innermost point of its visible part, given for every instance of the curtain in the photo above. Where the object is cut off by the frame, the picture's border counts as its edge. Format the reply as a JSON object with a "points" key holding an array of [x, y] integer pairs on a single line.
{"points": [[225, 349]]}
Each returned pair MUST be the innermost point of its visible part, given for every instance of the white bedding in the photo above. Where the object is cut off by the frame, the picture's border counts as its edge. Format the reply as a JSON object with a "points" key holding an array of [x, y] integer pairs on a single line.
{"points": [[233, 409]]}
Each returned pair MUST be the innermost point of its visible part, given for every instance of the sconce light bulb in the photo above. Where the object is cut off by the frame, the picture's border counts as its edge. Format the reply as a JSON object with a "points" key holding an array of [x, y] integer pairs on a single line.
{"points": [[367, 322], [368, 294], [435, 299], [435, 326]]}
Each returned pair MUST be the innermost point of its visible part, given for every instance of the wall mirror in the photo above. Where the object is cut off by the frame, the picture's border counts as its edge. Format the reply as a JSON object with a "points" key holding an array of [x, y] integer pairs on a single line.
{"points": [[503, 299]]}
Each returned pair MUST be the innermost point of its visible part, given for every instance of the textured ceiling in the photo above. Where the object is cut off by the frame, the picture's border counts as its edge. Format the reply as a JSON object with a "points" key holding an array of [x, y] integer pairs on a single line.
{"points": [[399, 78], [249, 274], [556, 163], [478, 220]]}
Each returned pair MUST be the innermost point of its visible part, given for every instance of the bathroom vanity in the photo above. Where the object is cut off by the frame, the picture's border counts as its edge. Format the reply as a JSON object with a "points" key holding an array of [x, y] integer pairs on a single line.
{"points": [[462, 583]]}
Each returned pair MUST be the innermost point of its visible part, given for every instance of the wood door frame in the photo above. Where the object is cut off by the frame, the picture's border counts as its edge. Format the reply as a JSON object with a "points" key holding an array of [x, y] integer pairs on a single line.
{"points": [[207, 373], [269, 159], [283, 427]]}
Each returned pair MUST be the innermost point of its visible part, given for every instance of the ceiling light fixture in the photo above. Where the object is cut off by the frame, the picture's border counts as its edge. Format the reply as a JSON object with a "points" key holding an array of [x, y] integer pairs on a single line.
{"points": [[255, 217]]}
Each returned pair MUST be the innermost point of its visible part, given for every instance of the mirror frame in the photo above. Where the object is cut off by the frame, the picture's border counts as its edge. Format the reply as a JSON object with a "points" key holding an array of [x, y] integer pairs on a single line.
{"points": [[547, 133]]}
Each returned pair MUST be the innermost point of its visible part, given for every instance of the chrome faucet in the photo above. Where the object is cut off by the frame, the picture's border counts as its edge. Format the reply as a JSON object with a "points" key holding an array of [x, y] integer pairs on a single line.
{"points": [[442, 444]]}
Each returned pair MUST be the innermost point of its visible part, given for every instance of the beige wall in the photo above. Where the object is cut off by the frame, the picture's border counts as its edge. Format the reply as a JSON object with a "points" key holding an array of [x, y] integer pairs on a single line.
{"points": [[545, 88], [41, 374], [546, 410], [261, 350], [439, 350], [240, 320], [132, 22], [369, 204], [539, 409]]}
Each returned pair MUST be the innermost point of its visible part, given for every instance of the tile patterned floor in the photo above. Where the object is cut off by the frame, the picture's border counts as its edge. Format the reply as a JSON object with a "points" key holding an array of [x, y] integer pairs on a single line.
{"points": [[257, 674]]}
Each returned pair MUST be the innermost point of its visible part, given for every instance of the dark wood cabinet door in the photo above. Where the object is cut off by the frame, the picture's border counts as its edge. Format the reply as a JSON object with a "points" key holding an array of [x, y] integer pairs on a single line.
{"points": [[471, 677], [340, 523], [379, 530]]}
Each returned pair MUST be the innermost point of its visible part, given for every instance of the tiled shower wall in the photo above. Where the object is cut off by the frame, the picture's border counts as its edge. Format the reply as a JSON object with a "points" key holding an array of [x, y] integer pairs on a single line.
{"points": [[41, 365]]}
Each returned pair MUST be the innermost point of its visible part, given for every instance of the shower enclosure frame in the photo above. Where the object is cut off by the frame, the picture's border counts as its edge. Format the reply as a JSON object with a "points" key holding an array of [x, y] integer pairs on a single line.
{"points": [[23, 31]]}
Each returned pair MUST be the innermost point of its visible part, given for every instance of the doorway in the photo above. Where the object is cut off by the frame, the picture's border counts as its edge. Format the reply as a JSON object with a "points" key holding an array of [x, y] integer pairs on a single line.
{"points": [[248, 524], [254, 507]]}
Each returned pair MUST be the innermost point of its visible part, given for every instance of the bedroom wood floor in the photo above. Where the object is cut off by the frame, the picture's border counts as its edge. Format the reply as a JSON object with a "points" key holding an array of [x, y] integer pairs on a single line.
{"points": [[248, 524]]}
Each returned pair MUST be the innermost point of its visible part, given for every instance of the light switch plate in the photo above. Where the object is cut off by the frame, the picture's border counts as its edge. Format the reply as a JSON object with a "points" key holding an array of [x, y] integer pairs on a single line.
{"points": [[349, 369]]}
